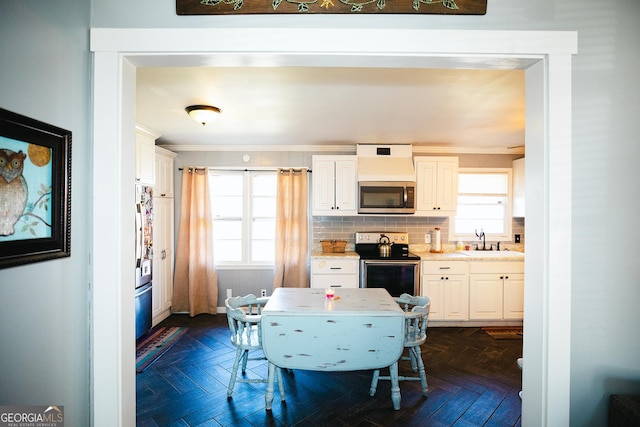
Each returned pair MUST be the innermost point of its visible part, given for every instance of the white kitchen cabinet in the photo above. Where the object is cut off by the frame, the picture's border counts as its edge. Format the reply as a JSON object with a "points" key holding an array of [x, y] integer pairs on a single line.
{"points": [[145, 155], [518, 188], [335, 272], [163, 186], [446, 283], [436, 185], [163, 244], [513, 304], [496, 290], [334, 185]]}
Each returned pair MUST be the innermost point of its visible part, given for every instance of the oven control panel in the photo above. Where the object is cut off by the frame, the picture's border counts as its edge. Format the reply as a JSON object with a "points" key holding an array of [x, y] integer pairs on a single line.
{"points": [[375, 236]]}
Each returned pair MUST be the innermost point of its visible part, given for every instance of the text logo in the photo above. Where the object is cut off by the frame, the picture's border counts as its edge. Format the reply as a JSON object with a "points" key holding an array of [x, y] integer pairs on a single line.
{"points": [[31, 416]]}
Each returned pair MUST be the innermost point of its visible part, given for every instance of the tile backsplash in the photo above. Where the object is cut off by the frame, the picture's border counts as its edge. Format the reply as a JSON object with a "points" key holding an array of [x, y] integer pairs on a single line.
{"points": [[344, 228]]}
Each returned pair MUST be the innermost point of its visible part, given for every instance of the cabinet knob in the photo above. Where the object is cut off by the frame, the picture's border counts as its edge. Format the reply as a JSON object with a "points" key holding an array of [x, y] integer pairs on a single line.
{"points": [[501, 277], [506, 277]]}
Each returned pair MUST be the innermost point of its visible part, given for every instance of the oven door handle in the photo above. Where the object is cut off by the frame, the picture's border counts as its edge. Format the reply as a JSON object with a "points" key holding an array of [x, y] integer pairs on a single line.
{"points": [[391, 261]]}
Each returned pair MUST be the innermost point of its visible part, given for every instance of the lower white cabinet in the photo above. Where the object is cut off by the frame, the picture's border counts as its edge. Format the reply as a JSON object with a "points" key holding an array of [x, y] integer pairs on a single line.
{"points": [[334, 273], [496, 290], [446, 283]]}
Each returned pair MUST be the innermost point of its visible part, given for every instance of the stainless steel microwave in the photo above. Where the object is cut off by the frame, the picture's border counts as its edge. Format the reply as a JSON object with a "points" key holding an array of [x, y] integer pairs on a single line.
{"points": [[380, 197]]}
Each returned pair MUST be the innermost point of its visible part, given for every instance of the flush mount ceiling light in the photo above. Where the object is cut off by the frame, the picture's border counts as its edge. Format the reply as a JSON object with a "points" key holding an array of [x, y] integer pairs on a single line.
{"points": [[202, 113]]}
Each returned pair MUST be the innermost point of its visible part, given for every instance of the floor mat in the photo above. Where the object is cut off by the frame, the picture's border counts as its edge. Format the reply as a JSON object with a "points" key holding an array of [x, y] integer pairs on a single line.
{"points": [[150, 348], [504, 333]]}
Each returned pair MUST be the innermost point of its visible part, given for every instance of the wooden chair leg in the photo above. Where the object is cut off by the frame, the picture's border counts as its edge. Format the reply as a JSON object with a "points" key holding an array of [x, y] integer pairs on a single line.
{"points": [[417, 355], [234, 372], [245, 357]]}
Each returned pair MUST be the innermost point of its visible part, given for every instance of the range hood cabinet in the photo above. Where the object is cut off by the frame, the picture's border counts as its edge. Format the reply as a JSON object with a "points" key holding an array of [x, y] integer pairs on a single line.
{"points": [[385, 163]]}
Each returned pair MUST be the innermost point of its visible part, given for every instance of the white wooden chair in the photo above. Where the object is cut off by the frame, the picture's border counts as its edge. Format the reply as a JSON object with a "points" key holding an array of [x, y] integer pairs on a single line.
{"points": [[244, 316], [415, 334]]}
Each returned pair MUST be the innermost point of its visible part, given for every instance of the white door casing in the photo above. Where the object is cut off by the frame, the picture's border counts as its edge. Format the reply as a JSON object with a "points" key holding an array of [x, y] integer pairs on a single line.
{"points": [[546, 58]]}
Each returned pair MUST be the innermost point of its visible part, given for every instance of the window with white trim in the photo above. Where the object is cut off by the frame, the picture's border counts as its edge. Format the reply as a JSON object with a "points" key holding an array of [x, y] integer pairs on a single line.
{"points": [[243, 205], [484, 204]]}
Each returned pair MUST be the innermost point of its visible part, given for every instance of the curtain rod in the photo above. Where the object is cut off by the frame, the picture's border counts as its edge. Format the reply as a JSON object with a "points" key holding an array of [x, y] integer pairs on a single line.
{"points": [[248, 170]]}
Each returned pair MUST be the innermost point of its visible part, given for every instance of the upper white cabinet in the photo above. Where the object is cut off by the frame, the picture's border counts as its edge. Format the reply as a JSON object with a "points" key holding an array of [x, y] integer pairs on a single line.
{"points": [[334, 185], [518, 188], [145, 155], [163, 172], [436, 185]]}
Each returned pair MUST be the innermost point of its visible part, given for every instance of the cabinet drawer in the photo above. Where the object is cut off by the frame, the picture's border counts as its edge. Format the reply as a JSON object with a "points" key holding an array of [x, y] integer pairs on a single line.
{"points": [[496, 267], [334, 281], [337, 266], [445, 267]]}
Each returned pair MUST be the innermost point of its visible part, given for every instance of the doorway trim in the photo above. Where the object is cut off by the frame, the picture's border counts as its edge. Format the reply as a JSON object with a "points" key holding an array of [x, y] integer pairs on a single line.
{"points": [[546, 58]]}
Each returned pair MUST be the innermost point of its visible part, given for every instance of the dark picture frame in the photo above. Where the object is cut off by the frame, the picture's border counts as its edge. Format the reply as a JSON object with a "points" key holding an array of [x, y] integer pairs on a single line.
{"points": [[42, 154], [353, 7]]}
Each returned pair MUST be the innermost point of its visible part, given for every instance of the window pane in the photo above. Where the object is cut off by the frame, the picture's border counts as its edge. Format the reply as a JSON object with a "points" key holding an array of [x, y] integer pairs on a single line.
{"points": [[264, 185], [227, 250], [226, 184], [244, 208], [264, 207], [227, 206], [483, 198], [226, 195], [264, 229], [464, 226], [480, 212], [227, 229], [262, 251], [487, 183]]}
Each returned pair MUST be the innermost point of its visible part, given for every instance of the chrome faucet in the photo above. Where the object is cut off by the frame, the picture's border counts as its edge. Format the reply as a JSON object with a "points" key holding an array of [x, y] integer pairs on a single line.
{"points": [[482, 237]]}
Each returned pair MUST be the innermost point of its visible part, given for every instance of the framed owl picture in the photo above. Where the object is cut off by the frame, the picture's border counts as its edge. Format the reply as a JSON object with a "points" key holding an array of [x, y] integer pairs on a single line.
{"points": [[35, 190]]}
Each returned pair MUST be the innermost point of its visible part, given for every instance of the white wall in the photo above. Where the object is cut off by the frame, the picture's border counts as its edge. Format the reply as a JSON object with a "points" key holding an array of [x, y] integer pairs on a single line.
{"points": [[605, 204], [44, 315], [44, 356]]}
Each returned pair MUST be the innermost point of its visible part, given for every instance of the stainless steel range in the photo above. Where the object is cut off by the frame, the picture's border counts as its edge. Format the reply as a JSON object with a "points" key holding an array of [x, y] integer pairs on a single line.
{"points": [[385, 262]]}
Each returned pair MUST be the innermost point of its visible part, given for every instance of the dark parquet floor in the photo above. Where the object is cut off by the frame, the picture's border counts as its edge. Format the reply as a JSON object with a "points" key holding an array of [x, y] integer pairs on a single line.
{"points": [[473, 381]]}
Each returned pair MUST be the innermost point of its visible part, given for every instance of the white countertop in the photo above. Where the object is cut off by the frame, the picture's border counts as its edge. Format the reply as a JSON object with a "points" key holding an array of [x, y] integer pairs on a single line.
{"points": [[446, 256], [472, 256], [329, 255]]}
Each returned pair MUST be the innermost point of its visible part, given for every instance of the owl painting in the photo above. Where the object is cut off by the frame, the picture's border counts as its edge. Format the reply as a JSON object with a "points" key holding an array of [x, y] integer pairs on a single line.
{"points": [[13, 190]]}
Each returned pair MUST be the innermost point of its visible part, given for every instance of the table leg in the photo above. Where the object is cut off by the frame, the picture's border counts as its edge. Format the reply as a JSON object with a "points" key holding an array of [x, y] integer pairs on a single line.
{"points": [[395, 387], [268, 397]]}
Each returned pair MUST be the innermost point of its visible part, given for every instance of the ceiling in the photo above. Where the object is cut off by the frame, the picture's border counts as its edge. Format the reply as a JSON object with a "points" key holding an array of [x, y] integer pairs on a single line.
{"points": [[477, 110]]}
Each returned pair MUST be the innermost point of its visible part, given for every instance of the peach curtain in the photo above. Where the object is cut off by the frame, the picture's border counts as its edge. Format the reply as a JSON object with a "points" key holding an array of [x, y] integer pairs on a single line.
{"points": [[292, 229], [195, 282]]}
